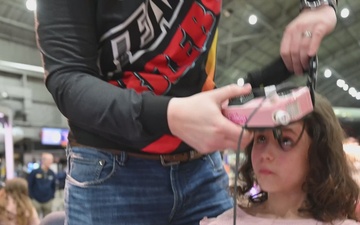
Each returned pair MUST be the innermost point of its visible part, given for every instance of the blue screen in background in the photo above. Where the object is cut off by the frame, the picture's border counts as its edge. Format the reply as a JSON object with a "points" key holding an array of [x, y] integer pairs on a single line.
{"points": [[32, 166], [54, 136]]}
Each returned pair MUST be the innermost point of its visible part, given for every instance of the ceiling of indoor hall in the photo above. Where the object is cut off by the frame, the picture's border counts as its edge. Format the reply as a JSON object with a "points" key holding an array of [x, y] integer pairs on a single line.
{"points": [[244, 47]]}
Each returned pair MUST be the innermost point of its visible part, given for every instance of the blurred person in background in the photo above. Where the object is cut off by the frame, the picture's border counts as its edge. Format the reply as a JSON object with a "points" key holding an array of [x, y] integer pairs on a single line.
{"points": [[15, 205], [351, 141], [352, 149], [42, 185]]}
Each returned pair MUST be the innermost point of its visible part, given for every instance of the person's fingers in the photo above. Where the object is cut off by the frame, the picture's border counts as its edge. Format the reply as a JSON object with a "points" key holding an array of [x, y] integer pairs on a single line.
{"points": [[321, 29], [230, 91], [233, 135], [305, 43], [247, 137], [294, 51], [285, 47], [317, 36], [225, 104], [244, 141]]}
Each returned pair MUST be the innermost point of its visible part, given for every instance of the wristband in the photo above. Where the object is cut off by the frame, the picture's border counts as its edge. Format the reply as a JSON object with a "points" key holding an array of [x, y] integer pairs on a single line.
{"points": [[312, 4]]}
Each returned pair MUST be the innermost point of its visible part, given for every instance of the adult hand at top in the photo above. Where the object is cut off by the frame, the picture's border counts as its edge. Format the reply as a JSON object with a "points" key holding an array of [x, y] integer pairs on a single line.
{"points": [[302, 37]]}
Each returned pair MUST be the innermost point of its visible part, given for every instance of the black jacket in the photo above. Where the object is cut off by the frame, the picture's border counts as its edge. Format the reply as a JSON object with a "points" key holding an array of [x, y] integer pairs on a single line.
{"points": [[112, 66]]}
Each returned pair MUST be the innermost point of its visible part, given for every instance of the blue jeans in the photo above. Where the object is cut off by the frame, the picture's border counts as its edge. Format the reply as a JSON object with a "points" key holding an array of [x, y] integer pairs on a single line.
{"points": [[106, 189]]}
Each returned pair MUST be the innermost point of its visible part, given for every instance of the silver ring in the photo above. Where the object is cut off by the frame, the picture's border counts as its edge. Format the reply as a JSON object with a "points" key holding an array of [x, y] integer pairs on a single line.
{"points": [[307, 34]]}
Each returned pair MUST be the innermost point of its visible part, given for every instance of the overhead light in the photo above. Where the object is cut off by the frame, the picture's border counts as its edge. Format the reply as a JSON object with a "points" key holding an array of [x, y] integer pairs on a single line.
{"points": [[352, 91], [253, 19], [344, 13], [340, 83], [31, 5], [327, 73], [346, 87], [241, 82], [4, 94], [357, 96]]}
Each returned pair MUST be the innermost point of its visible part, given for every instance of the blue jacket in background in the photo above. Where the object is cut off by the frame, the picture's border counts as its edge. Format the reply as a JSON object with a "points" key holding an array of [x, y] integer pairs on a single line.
{"points": [[42, 185]]}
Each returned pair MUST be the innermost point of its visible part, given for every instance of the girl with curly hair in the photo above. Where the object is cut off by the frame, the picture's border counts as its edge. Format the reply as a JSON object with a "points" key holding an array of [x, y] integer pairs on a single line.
{"points": [[303, 175], [15, 205]]}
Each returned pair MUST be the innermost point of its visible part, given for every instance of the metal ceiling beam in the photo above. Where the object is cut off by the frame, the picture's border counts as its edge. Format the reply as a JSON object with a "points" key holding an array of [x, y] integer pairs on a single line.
{"points": [[16, 24], [20, 69], [330, 90], [264, 20], [340, 53], [247, 37], [18, 40], [15, 3]]}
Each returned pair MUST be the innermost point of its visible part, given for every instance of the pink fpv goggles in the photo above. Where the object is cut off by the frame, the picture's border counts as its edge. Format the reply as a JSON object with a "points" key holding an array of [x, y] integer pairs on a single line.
{"points": [[274, 106]]}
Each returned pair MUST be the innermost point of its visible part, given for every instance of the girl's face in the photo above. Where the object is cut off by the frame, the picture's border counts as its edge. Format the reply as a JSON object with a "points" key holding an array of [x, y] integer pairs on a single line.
{"points": [[281, 168]]}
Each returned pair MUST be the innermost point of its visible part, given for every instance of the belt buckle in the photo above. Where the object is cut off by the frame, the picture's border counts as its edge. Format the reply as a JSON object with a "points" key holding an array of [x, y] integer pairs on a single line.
{"points": [[165, 163]]}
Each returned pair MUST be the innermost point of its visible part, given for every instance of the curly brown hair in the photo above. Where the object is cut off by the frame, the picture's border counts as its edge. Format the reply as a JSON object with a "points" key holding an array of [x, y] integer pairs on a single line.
{"points": [[331, 191], [17, 189]]}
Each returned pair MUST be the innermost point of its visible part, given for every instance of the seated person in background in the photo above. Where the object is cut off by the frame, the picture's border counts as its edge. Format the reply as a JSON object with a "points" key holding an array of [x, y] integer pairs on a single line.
{"points": [[352, 150], [302, 172], [351, 141], [15, 205]]}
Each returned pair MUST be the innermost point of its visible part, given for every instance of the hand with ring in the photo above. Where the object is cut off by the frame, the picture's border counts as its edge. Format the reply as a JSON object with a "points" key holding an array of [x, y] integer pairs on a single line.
{"points": [[307, 34], [302, 36]]}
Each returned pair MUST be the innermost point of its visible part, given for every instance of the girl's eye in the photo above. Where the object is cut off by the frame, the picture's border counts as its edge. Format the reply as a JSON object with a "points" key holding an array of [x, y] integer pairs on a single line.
{"points": [[286, 143], [260, 139]]}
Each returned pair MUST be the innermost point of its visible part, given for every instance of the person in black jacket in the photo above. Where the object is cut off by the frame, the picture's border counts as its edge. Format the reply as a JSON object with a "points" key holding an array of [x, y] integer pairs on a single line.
{"points": [[135, 79], [42, 185]]}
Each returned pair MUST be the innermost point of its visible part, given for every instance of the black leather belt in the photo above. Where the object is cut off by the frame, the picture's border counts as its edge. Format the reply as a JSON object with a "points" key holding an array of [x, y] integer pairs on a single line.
{"points": [[165, 159]]}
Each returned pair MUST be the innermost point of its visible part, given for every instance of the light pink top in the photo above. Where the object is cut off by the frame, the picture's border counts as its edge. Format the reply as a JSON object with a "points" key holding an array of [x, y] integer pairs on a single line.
{"points": [[243, 218]]}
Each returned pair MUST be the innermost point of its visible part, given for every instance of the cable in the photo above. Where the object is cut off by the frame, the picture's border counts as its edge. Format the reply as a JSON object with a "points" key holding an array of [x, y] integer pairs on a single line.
{"points": [[237, 174], [237, 158]]}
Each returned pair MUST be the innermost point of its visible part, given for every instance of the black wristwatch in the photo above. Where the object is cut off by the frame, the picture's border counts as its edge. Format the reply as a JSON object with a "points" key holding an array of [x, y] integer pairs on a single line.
{"points": [[311, 4]]}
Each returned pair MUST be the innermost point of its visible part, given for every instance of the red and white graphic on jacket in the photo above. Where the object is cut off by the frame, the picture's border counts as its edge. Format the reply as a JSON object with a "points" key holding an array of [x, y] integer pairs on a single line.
{"points": [[188, 42]]}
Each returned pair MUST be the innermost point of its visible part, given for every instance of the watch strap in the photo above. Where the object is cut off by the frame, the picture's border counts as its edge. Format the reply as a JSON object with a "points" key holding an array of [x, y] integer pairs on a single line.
{"points": [[317, 3]]}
